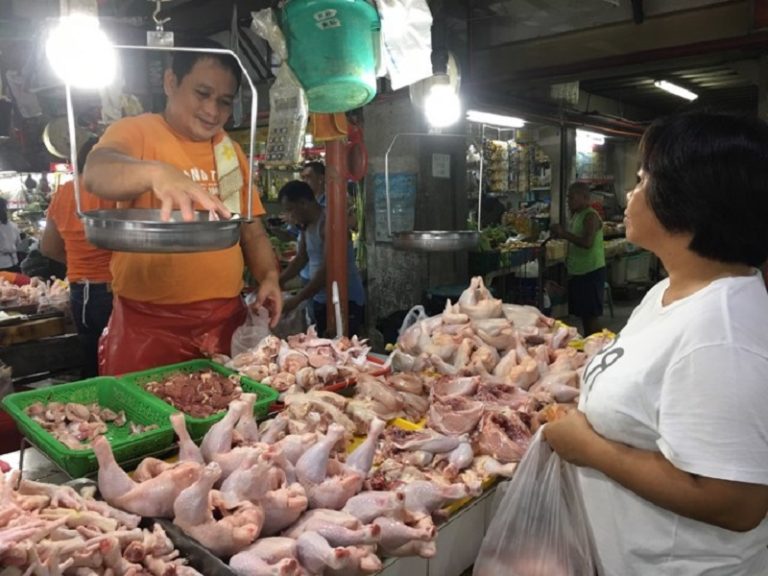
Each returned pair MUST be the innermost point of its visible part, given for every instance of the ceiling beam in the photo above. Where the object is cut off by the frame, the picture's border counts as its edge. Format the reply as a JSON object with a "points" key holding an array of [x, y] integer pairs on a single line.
{"points": [[570, 56]]}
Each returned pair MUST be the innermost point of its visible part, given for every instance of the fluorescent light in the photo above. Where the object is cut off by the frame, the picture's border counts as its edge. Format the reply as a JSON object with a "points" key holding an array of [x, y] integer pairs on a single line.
{"points": [[586, 140], [494, 119], [591, 137], [442, 105], [676, 90], [80, 52]]}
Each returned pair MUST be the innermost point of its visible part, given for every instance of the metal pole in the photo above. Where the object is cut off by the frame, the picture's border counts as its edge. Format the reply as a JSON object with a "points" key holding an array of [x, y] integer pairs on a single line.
{"points": [[73, 146], [336, 231]]}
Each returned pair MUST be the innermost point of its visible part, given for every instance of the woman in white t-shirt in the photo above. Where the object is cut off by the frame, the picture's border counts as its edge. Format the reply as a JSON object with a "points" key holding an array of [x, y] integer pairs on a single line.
{"points": [[9, 241], [672, 431]]}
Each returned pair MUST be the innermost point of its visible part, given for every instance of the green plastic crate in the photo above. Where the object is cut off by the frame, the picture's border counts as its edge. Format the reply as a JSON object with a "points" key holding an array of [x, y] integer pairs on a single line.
{"points": [[265, 396], [108, 393]]}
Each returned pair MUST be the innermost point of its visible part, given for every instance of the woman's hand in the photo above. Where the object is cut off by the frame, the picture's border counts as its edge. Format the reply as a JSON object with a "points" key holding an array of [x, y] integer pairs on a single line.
{"points": [[173, 188], [574, 439]]}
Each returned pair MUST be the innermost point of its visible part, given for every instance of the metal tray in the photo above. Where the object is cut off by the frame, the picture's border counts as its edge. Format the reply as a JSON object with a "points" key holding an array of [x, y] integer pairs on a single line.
{"points": [[141, 230], [436, 240]]}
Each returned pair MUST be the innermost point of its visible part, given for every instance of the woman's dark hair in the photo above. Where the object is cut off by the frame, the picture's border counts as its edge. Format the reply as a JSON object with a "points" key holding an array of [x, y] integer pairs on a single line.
{"points": [[707, 175], [3, 211], [183, 62], [296, 191]]}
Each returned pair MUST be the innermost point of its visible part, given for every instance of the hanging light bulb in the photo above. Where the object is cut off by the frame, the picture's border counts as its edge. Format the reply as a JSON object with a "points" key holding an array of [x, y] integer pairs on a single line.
{"points": [[442, 105], [80, 52]]}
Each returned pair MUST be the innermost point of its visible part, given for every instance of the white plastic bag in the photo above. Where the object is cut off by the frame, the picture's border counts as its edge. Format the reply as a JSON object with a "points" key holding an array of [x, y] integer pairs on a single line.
{"points": [[293, 322], [406, 40], [540, 527], [414, 316], [255, 329]]}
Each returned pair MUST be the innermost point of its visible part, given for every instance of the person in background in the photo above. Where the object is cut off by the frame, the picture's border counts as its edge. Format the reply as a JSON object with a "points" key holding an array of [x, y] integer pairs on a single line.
{"points": [[172, 307], [586, 258], [301, 204], [671, 435], [492, 210], [90, 289], [9, 240], [313, 173]]}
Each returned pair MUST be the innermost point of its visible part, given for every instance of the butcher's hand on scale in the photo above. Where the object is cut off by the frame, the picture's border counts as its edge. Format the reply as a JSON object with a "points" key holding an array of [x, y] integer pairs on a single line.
{"points": [[175, 189]]}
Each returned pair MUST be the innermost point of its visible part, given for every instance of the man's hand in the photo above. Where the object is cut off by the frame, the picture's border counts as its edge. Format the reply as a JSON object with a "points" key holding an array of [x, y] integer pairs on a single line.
{"points": [[291, 303], [556, 230], [173, 188], [271, 298]]}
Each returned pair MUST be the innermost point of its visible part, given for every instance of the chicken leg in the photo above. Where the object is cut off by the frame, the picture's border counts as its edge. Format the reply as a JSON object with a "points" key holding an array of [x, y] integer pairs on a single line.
{"points": [[362, 458], [246, 428], [219, 438], [188, 450], [154, 497]]}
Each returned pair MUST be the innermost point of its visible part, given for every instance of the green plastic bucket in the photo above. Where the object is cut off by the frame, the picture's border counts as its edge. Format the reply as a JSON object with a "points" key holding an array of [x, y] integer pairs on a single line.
{"points": [[332, 47]]}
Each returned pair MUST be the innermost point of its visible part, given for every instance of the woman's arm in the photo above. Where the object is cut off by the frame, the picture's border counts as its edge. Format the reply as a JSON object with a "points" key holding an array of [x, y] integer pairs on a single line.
{"points": [[114, 175], [737, 506], [52, 244], [260, 259], [591, 226]]}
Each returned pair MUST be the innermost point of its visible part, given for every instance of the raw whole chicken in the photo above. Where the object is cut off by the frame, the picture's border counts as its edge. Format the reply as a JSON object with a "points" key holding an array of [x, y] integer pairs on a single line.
{"points": [[225, 537], [503, 435], [454, 415], [478, 303], [154, 497]]}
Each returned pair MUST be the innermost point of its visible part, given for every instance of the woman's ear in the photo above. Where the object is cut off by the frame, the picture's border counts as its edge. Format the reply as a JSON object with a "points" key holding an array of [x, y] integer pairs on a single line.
{"points": [[169, 82]]}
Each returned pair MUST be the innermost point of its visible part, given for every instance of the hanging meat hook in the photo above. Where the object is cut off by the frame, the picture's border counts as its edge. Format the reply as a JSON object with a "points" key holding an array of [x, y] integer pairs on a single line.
{"points": [[159, 22]]}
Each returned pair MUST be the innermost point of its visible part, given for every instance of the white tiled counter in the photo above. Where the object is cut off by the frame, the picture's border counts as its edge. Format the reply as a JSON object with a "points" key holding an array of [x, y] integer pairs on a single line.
{"points": [[458, 540]]}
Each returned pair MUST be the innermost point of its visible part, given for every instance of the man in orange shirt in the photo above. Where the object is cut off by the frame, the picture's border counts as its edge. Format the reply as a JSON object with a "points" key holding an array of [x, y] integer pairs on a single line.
{"points": [[90, 292], [173, 307]]}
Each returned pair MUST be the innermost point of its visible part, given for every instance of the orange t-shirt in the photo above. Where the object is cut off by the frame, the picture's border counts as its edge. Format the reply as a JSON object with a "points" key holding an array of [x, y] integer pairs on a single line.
{"points": [[175, 278], [84, 260]]}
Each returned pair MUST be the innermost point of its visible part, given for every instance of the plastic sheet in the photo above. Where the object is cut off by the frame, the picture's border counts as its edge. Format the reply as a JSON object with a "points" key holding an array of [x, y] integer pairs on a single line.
{"points": [[406, 40], [142, 335], [540, 527], [255, 329]]}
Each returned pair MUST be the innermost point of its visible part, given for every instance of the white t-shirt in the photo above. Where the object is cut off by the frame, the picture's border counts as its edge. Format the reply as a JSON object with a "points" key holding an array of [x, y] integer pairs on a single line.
{"points": [[689, 380], [9, 238]]}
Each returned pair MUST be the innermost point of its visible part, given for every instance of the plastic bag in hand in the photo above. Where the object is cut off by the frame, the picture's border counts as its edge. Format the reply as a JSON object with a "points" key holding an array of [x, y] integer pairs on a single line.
{"points": [[541, 527], [255, 329]]}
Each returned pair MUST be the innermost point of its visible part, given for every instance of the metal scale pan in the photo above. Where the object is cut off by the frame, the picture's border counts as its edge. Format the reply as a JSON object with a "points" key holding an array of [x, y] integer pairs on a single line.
{"points": [[142, 230], [429, 240]]}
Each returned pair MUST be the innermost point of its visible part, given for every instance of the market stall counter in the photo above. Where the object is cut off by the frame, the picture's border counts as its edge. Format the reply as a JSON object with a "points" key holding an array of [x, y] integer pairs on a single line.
{"points": [[398, 476]]}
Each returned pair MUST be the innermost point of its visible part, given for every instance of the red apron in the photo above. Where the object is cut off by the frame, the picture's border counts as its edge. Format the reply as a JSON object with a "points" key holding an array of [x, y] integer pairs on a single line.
{"points": [[140, 335]]}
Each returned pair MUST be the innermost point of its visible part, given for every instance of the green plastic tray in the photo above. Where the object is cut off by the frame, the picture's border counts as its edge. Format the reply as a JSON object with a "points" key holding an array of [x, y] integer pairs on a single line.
{"points": [[265, 396], [109, 393]]}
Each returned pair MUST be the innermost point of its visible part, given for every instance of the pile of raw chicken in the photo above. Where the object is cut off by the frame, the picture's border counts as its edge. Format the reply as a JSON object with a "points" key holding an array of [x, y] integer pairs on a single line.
{"points": [[303, 362], [76, 425], [277, 503], [199, 393], [45, 294], [53, 530], [290, 496]]}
